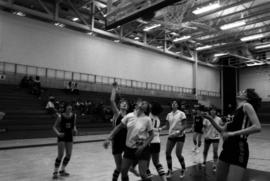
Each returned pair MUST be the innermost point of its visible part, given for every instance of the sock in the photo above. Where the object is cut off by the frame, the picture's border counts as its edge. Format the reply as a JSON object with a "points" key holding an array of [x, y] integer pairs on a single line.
{"points": [[116, 174], [57, 164], [182, 162], [169, 162], [199, 143], [195, 142], [65, 162], [160, 169]]}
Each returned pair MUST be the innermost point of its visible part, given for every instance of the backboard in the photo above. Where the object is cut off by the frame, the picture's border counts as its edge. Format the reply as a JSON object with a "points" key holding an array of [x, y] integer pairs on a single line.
{"points": [[124, 11]]}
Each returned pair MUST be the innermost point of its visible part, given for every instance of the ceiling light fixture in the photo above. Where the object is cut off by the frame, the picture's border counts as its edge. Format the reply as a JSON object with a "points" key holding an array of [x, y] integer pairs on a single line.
{"points": [[232, 25], [59, 25], [262, 46], [252, 37], [19, 13], [75, 19], [205, 9], [151, 27], [182, 38], [220, 54], [204, 47]]}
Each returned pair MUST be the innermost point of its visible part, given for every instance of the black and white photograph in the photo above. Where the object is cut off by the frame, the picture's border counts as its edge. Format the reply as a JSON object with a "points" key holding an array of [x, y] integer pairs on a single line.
{"points": [[135, 90]]}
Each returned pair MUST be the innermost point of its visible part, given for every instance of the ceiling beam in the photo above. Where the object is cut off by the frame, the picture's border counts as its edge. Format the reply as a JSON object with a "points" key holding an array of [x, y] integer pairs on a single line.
{"points": [[221, 34]]}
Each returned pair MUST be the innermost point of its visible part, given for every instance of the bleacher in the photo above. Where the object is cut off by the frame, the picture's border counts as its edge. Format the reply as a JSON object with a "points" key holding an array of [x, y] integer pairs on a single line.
{"points": [[26, 116]]}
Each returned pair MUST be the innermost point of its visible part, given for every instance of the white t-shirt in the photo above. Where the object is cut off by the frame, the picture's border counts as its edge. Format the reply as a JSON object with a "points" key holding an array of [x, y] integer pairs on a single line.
{"points": [[155, 124], [175, 120], [137, 129], [209, 131], [49, 105]]}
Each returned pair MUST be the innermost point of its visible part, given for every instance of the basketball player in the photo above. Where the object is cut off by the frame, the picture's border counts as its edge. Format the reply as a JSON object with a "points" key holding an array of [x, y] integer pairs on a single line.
{"points": [[177, 124], [234, 156], [65, 128], [119, 140], [156, 109], [139, 136], [197, 128], [211, 136]]}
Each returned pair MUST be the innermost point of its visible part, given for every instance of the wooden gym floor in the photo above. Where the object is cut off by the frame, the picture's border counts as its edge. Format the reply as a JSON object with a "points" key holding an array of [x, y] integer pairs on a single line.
{"points": [[91, 162]]}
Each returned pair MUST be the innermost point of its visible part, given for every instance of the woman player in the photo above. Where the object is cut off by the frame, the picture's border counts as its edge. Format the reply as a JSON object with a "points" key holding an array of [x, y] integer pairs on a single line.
{"points": [[234, 156], [156, 109], [197, 128], [177, 124], [119, 140], [139, 136], [65, 128], [211, 136]]}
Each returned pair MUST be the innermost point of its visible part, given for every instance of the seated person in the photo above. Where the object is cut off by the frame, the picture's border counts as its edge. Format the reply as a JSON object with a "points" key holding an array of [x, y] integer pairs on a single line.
{"points": [[50, 108], [68, 87], [24, 82], [2, 115], [36, 89], [75, 89]]}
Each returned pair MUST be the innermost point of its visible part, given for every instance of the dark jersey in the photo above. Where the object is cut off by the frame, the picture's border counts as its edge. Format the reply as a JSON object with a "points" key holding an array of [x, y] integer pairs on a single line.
{"points": [[198, 123], [67, 124], [240, 121], [121, 135]]}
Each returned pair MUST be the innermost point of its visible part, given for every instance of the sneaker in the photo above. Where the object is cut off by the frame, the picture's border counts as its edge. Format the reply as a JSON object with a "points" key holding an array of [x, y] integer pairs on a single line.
{"points": [[149, 174], [134, 171], [63, 173], [55, 175], [197, 151], [169, 174], [182, 173], [214, 168]]}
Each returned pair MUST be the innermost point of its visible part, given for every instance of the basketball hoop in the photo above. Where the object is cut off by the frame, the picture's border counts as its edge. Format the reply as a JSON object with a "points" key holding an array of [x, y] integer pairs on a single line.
{"points": [[174, 15]]}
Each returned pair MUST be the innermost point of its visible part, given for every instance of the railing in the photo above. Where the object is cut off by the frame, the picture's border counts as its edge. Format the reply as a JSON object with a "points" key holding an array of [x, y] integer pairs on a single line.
{"points": [[6, 67], [208, 93]]}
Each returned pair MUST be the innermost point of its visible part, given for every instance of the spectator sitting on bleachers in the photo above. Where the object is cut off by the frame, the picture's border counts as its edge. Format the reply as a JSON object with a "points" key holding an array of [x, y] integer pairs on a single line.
{"points": [[72, 88], [2, 115], [50, 108], [24, 82], [75, 89], [36, 87]]}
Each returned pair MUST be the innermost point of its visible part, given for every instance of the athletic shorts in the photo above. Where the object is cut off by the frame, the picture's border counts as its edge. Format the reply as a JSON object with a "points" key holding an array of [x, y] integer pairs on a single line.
{"points": [[198, 131], [118, 146], [66, 138], [235, 152], [178, 139], [130, 153], [154, 148], [209, 141], [119, 143]]}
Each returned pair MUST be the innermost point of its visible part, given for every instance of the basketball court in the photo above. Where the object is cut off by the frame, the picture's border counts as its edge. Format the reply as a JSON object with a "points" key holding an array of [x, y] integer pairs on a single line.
{"points": [[194, 51]]}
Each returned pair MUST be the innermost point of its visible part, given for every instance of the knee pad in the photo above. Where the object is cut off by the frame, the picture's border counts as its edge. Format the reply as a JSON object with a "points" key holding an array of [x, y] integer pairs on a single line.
{"points": [[199, 143], [195, 141], [66, 160], [57, 162]]}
